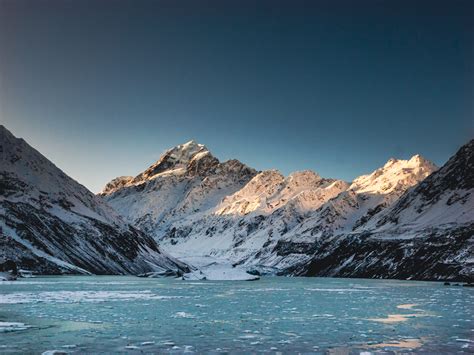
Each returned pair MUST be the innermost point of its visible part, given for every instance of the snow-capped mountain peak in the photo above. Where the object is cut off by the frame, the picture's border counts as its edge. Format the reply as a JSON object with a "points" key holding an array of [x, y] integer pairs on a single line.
{"points": [[175, 160], [368, 196], [116, 184], [186, 179], [443, 198], [395, 176], [184, 153], [184, 159], [303, 179]]}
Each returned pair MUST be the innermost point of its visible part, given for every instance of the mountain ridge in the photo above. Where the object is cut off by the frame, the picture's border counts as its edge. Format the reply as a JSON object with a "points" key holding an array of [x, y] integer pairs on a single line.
{"points": [[52, 224]]}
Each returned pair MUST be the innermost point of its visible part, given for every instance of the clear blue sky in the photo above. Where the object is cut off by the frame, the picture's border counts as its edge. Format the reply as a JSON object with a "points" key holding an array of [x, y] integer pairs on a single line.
{"points": [[103, 87]]}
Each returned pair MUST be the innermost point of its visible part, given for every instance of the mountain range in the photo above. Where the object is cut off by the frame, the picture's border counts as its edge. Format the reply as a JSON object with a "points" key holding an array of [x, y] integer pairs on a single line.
{"points": [[407, 219]]}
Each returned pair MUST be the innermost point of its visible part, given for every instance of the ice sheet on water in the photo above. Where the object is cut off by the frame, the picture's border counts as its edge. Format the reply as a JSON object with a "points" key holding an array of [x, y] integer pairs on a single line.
{"points": [[318, 289], [6, 327], [325, 315], [132, 347], [407, 306], [29, 282], [265, 289], [69, 346], [145, 343], [249, 313], [80, 296], [183, 315]]}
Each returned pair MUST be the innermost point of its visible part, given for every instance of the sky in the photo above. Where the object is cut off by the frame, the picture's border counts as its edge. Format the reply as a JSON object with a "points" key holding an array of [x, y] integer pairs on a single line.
{"points": [[102, 88]]}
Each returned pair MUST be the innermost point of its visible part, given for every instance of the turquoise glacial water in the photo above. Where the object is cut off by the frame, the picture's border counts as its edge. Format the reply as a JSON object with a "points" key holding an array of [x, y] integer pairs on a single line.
{"points": [[275, 314]]}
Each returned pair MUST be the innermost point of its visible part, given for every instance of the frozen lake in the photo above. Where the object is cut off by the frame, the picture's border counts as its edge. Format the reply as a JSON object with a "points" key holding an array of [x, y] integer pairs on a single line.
{"points": [[128, 314]]}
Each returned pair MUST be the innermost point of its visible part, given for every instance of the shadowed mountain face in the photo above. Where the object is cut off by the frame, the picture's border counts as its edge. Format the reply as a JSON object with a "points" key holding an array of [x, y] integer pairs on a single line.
{"points": [[51, 224], [304, 224]]}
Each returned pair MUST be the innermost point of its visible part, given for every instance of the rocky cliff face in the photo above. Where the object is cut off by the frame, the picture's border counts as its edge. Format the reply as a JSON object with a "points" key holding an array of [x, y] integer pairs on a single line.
{"points": [[51, 224]]}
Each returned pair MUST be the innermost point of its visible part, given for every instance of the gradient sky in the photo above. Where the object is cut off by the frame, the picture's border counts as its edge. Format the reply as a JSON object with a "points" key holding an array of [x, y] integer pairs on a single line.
{"points": [[103, 87]]}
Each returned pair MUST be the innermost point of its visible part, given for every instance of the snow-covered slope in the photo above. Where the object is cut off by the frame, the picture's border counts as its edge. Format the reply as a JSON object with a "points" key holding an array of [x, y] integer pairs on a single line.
{"points": [[51, 224], [427, 233], [252, 219], [270, 190], [366, 198]]}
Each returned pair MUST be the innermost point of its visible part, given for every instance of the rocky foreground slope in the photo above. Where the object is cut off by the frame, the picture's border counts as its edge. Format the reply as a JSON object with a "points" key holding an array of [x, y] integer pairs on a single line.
{"points": [[50, 224], [380, 225]]}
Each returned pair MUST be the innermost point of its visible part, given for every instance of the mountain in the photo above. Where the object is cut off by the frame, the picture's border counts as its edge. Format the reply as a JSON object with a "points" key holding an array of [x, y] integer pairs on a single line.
{"points": [[241, 215], [187, 180], [367, 196], [50, 224], [339, 208], [253, 218], [444, 199], [406, 219], [428, 233], [196, 206]]}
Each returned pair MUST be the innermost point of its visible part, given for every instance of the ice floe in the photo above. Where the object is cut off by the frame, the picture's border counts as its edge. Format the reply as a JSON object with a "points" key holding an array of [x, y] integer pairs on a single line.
{"points": [[6, 327], [337, 289], [183, 315]]}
